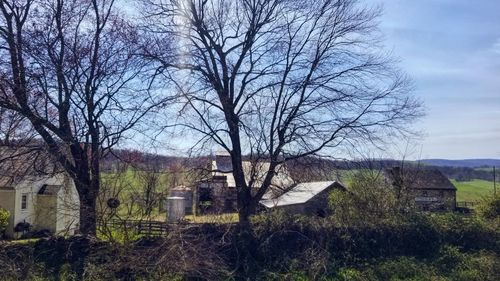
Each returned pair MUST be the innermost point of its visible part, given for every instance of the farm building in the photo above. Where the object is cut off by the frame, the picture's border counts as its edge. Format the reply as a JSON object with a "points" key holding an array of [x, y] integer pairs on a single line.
{"points": [[37, 199], [429, 189], [309, 198], [218, 192]]}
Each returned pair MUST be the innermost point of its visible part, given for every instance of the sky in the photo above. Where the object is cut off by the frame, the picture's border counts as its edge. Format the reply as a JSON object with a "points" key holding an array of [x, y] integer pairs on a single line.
{"points": [[451, 50]]}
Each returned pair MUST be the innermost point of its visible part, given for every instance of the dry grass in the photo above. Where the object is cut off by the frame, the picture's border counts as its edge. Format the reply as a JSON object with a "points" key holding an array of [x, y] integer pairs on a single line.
{"points": [[214, 218]]}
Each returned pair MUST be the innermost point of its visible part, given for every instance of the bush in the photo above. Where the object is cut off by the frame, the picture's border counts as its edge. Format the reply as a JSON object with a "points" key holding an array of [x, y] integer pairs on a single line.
{"points": [[4, 220], [489, 207], [450, 264], [439, 247], [369, 200]]}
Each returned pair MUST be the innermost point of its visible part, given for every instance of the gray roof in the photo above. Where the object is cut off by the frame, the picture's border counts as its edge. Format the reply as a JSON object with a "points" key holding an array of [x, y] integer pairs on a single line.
{"points": [[301, 193], [424, 178]]}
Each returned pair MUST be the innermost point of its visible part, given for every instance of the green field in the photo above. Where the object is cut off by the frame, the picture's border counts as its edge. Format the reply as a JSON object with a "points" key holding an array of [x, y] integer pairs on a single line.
{"points": [[473, 190]]}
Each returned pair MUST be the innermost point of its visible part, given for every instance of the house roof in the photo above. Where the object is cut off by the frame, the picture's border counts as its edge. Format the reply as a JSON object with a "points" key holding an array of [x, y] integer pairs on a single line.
{"points": [[20, 163], [301, 193], [49, 189], [424, 178], [256, 171]]}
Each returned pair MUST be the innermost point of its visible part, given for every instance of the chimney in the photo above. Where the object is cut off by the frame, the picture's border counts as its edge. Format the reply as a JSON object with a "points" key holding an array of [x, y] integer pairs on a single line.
{"points": [[223, 161]]}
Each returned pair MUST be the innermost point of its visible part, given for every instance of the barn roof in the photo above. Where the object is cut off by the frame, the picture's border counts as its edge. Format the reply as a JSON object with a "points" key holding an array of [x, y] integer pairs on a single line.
{"points": [[301, 193], [423, 178]]}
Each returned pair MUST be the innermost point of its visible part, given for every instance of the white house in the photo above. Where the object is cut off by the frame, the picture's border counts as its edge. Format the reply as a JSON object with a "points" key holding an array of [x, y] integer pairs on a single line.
{"points": [[46, 201]]}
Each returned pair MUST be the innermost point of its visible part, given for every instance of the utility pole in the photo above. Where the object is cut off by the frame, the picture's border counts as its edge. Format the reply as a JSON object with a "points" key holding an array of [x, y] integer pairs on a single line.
{"points": [[494, 181]]}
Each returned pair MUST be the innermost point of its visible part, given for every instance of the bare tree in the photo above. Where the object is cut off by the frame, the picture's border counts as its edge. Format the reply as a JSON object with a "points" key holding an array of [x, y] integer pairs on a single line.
{"points": [[149, 181], [14, 128], [67, 66], [279, 80]]}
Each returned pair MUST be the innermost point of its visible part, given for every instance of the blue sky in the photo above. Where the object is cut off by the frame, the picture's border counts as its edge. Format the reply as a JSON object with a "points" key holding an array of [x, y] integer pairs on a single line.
{"points": [[451, 49]]}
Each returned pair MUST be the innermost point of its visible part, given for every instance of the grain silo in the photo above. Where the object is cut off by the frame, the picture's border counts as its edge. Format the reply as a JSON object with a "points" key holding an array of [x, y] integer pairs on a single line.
{"points": [[175, 209], [185, 192]]}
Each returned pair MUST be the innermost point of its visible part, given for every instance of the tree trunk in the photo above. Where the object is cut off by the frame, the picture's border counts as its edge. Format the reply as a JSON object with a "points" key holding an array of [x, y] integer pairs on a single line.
{"points": [[88, 215], [88, 198], [244, 213]]}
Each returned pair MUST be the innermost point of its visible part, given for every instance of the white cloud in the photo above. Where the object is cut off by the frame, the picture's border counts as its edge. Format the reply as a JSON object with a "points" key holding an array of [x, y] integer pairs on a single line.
{"points": [[496, 46]]}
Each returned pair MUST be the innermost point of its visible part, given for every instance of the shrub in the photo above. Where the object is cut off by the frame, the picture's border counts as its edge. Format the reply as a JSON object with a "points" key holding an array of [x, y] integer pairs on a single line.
{"points": [[449, 264], [369, 200], [481, 266], [351, 274], [489, 207], [4, 220], [404, 268]]}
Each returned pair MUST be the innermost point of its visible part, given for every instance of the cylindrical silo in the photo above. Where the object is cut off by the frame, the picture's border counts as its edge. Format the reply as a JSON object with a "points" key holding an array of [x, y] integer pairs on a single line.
{"points": [[175, 209]]}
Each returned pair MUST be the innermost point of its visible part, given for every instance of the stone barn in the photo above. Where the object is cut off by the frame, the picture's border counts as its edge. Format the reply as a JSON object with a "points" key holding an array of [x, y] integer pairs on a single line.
{"points": [[218, 193], [428, 188]]}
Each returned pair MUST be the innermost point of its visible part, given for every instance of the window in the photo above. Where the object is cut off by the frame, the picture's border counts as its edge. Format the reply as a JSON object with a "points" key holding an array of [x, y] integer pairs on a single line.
{"points": [[24, 202]]}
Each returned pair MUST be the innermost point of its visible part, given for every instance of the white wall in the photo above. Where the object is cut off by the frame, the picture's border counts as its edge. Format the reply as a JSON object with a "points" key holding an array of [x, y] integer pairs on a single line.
{"points": [[68, 206], [66, 209]]}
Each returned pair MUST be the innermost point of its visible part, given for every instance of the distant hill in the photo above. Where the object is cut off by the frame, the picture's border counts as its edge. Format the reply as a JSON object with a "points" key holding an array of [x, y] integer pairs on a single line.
{"points": [[468, 163]]}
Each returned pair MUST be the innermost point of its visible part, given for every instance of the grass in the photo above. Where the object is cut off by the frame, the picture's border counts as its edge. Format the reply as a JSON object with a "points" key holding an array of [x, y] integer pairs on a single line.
{"points": [[215, 218], [25, 241], [473, 190]]}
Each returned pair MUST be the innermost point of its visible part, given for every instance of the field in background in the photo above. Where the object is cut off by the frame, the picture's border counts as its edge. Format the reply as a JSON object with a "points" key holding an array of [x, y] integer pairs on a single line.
{"points": [[473, 190]]}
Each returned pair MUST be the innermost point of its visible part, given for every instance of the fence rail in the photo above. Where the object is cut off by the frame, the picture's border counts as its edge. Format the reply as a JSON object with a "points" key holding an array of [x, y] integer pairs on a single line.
{"points": [[150, 228], [465, 204]]}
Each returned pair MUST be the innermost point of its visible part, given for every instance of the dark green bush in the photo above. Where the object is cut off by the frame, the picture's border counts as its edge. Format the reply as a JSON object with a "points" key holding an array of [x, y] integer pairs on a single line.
{"points": [[489, 207], [4, 220], [369, 200]]}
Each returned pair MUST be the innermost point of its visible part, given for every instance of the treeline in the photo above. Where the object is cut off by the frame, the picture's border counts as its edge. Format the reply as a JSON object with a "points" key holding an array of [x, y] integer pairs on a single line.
{"points": [[119, 159], [467, 174], [307, 168]]}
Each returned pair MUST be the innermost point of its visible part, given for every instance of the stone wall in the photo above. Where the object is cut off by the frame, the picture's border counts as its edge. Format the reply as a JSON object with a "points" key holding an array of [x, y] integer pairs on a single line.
{"points": [[435, 199], [223, 198]]}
